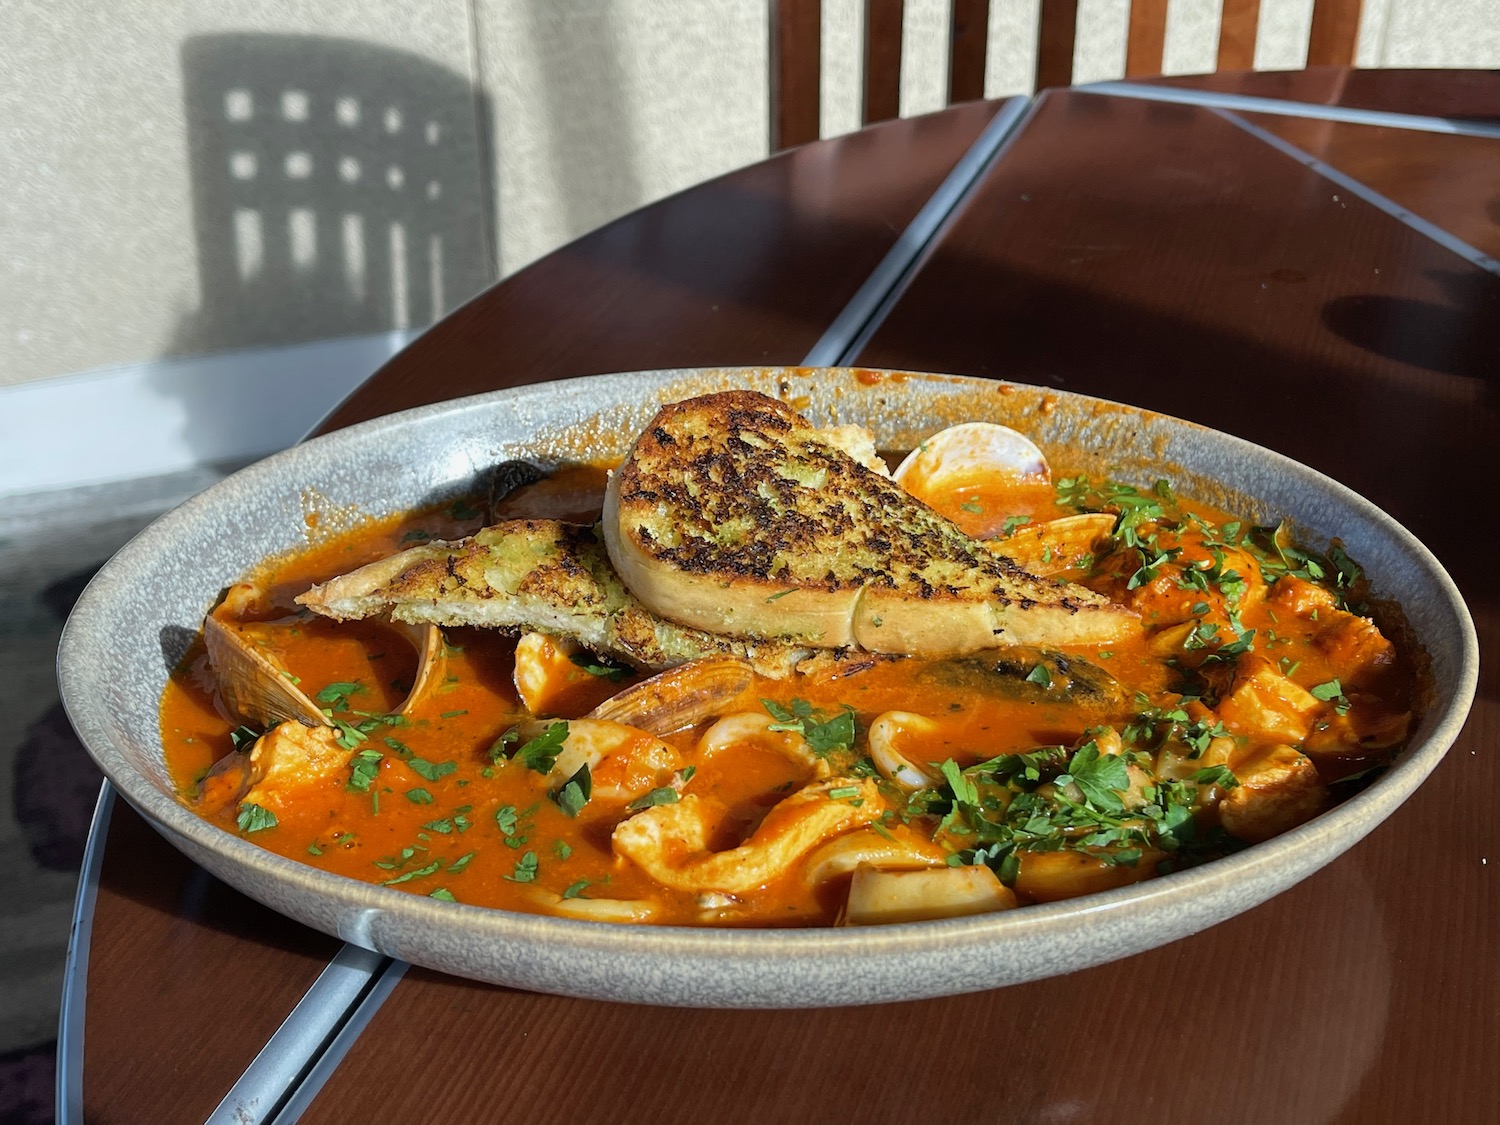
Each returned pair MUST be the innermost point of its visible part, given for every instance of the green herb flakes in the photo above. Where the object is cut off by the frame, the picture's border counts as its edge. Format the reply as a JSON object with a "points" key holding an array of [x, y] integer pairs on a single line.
{"points": [[431, 771], [540, 754], [364, 768], [254, 818], [526, 869], [666, 795], [576, 792]]}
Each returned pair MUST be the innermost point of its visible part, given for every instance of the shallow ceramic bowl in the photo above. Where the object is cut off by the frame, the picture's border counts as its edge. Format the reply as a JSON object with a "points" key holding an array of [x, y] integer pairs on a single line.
{"points": [[133, 621]]}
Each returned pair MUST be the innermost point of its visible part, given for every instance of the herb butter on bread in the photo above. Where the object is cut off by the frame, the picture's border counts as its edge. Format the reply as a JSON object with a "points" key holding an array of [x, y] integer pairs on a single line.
{"points": [[733, 515]]}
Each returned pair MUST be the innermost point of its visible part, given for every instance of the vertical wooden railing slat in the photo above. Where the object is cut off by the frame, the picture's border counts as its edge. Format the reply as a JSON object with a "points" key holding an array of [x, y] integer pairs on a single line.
{"points": [[1238, 25], [882, 60], [1334, 34], [1054, 46], [796, 66], [1147, 39], [971, 32]]}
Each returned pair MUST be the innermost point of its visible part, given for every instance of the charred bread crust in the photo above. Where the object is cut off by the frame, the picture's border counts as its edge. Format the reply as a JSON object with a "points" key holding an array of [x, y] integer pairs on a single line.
{"points": [[542, 575], [730, 514]]}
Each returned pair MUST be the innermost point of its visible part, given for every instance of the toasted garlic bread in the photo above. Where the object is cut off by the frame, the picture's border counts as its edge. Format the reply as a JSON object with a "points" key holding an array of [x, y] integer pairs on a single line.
{"points": [[541, 575], [731, 514]]}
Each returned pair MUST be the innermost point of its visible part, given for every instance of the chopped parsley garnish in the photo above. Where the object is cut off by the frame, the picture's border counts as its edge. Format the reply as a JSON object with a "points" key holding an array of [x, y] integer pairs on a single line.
{"points": [[1100, 777], [431, 771], [576, 889], [364, 769], [419, 796], [337, 695], [576, 792], [254, 818], [526, 869], [418, 873], [1221, 776], [824, 734], [666, 795], [601, 666], [454, 714], [442, 894], [1332, 692], [540, 754], [1041, 675], [1013, 522]]}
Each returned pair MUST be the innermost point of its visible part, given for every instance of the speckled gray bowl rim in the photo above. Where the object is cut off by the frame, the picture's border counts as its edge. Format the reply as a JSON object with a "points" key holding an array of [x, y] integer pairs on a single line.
{"points": [[735, 967]]}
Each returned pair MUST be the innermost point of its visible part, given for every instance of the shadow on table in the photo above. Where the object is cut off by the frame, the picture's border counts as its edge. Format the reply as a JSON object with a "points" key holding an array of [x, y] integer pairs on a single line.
{"points": [[1449, 338]]}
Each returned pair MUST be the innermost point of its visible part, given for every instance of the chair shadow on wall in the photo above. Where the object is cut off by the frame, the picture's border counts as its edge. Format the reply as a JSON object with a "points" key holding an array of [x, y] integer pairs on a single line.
{"points": [[339, 188]]}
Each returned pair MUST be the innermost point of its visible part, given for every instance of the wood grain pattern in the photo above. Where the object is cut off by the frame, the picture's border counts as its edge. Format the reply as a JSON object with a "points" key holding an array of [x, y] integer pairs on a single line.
{"points": [[1239, 25], [883, 20], [1056, 33], [1051, 1051], [1334, 33], [749, 268], [796, 68], [1146, 38], [187, 979], [970, 41]]}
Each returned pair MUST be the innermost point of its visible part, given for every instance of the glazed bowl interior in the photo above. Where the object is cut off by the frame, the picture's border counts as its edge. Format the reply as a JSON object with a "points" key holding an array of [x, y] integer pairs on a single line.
{"points": [[140, 613]]}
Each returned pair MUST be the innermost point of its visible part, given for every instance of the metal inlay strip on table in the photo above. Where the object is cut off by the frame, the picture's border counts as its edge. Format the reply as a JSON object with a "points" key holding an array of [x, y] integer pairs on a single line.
{"points": [[324, 1064], [1248, 103], [76, 968], [1368, 194], [331, 1005], [871, 301]]}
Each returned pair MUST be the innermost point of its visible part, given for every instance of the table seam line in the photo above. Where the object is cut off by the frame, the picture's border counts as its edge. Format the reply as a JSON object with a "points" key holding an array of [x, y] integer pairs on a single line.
{"points": [[1425, 227], [862, 315], [1248, 103]]}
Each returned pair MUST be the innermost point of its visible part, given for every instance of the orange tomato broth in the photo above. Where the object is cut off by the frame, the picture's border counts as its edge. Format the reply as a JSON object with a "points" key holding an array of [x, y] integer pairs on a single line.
{"points": [[492, 834]]}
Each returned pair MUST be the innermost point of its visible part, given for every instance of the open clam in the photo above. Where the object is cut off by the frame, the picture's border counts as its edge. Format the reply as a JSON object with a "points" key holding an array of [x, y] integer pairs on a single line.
{"points": [[680, 697], [961, 455], [257, 689], [1054, 546]]}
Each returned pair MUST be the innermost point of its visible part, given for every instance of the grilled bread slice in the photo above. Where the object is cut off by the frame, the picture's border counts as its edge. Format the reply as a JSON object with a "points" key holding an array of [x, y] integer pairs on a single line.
{"points": [[541, 575], [731, 514]]}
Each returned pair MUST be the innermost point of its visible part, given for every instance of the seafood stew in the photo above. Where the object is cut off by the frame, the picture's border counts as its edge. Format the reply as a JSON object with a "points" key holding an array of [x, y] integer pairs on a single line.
{"points": [[734, 781]]}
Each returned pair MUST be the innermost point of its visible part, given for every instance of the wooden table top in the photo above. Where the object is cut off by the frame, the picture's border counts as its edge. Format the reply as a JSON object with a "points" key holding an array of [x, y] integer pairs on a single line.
{"points": [[1324, 288]]}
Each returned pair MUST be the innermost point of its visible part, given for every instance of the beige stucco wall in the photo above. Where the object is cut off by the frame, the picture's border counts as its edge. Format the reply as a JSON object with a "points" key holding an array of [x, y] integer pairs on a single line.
{"points": [[144, 215]]}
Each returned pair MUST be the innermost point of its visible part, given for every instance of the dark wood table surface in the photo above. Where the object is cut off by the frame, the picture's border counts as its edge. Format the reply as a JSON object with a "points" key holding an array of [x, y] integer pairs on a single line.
{"points": [[1324, 288]]}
